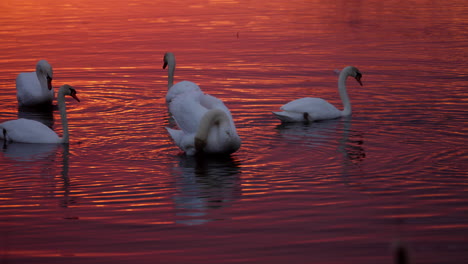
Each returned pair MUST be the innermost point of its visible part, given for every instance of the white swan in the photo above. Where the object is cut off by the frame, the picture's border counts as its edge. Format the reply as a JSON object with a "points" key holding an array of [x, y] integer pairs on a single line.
{"points": [[180, 87], [35, 88], [31, 131], [314, 109], [206, 125]]}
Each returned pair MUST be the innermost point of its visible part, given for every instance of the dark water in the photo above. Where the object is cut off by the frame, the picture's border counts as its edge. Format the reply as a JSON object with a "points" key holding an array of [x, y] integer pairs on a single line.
{"points": [[342, 191]]}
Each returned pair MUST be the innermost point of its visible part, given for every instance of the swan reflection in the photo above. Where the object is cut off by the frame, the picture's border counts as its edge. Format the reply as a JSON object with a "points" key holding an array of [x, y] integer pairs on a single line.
{"points": [[313, 134], [45, 114], [351, 144], [204, 183], [30, 158], [325, 135]]}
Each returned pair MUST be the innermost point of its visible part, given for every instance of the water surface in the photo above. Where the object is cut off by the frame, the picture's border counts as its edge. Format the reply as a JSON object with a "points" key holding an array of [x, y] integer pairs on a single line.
{"points": [[340, 191]]}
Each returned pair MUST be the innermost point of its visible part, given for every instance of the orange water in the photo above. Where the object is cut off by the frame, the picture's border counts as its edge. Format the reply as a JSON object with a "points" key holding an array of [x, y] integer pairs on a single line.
{"points": [[342, 191]]}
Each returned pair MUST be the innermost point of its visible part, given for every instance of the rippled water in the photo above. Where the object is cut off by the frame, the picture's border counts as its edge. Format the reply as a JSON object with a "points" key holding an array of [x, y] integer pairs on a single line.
{"points": [[341, 191]]}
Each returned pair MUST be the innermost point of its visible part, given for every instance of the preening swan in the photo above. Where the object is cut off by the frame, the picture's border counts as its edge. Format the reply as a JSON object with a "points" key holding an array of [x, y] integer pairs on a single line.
{"points": [[206, 125], [314, 109], [35, 88], [180, 87], [31, 131]]}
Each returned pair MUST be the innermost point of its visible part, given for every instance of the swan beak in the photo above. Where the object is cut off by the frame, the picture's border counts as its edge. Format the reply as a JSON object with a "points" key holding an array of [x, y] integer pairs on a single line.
{"points": [[75, 97], [358, 79], [49, 83], [165, 64]]}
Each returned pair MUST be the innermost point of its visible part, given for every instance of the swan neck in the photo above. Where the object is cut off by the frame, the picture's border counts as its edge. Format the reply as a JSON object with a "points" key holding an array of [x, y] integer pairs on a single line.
{"points": [[210, 119], [63, 116], [42, 80], [344, 94], [170, 76]]}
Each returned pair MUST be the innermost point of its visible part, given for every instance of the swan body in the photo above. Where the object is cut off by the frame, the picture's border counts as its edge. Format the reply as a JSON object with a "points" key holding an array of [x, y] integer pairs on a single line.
{"points": [[29, 152], [27, 131], [178, 88], [30, 131], [206, 125], [35, 88], [315, 109]]}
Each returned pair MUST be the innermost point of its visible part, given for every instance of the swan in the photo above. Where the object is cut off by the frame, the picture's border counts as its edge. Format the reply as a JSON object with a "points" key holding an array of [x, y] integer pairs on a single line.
{"points": [[206, 125], [30, 131], [180, 87], [35, 88], [314, 109]]}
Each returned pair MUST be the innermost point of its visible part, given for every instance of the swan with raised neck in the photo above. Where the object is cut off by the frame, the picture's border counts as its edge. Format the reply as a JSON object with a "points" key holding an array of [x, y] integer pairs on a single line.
{"points": [[31, 131], [315, 109]]}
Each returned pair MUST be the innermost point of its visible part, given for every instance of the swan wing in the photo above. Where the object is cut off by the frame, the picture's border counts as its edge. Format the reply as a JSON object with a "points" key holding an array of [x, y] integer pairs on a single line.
{"points": [[316, 109], [28, 131], [211, 102], [187, 111], [180, 88], [27, 87], [184, 141]]}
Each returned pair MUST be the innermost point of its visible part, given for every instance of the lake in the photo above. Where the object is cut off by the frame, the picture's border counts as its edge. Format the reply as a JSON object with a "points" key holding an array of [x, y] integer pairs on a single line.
{"points": [[349, 190]]}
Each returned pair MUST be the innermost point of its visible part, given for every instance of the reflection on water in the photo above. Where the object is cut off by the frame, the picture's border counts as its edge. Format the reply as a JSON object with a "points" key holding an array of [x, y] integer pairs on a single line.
{"points": [[204, 184], [41, 159], [67, 197], [43, 115], [339, 191], [351, 144], [313, 133], [326, 139]]}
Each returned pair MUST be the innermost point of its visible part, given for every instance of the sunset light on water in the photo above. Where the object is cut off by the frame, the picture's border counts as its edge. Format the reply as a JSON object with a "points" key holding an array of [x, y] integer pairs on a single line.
{"points": [[348, 190]]}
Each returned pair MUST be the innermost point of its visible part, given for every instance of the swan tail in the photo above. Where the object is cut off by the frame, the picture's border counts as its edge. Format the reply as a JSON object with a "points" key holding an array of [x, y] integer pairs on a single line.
{"points": [[281, 116], [176, 135]]}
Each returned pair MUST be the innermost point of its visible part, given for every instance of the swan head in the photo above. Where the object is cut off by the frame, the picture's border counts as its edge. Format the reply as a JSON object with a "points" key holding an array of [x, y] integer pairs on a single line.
{"points": [[354, 72], [43, 69], [68, 90], [169, 59]]}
